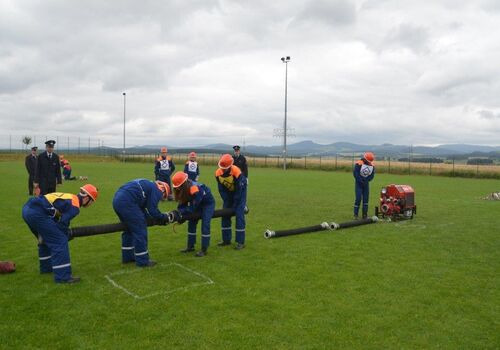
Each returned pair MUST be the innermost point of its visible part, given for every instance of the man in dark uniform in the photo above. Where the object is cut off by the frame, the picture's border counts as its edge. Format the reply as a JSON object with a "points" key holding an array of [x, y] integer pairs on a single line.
{"points": [[48, 170], [30, 163], [240, 161]]}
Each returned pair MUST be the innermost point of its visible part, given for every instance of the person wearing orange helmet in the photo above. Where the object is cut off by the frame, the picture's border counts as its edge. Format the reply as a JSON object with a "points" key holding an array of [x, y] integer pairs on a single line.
{"points": [[164, 168], [48, 217], [67, 171], [233, 191], [194, 197], [363, 172], [192, 169], [133, 203]]}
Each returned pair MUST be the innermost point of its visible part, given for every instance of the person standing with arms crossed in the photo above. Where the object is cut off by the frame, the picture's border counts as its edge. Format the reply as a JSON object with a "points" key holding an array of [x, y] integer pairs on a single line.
{"points": [[48, 170], [30, 163]]}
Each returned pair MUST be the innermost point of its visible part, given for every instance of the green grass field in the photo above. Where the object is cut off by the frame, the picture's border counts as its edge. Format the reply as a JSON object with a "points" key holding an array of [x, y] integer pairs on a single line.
{"points": [[432, 282]]}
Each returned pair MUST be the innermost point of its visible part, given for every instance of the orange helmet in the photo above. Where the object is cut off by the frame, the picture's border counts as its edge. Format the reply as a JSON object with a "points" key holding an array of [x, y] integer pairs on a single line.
{"points": [[163, 187], [179, 178], [89, 190], [369, 156], [163, 150], [226, 161], [192, 155]]}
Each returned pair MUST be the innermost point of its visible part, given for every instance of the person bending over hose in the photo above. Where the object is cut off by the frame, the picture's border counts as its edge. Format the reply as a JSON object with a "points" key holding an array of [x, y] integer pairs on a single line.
{"points": [[194, 197], [48, 217], [134, 202]]}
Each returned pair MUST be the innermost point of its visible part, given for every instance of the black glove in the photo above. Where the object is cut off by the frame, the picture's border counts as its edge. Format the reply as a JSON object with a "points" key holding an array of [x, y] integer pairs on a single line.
{"points": [[164, 220], [178, 217]]}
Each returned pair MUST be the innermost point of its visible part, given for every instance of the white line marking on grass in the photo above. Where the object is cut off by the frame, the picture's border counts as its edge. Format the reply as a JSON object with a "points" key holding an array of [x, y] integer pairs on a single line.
{"points": [[208, 281], [121, 287]]}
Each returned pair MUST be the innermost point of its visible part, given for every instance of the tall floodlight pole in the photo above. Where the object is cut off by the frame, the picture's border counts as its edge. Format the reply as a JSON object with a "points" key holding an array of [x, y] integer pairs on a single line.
{"points": [[124, 119], [285, 60]]}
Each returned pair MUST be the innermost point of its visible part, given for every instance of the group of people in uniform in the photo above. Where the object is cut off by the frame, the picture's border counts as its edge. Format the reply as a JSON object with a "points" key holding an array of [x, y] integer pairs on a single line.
{"points": [[49, 213], [46, 170]]}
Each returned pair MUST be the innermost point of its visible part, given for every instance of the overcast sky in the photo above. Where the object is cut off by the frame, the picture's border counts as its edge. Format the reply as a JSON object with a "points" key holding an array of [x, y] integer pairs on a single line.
{"points": [[207, 71]]}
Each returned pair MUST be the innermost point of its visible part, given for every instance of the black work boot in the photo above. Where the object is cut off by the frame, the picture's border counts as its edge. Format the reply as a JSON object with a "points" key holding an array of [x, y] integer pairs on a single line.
{"points": [[239, 246], [223, 243], [71, 280], [150, 263], [187, 250], [201, 253]]}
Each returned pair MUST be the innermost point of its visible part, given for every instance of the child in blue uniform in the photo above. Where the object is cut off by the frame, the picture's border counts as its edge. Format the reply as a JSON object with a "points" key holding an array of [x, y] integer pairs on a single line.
{"points": [[363, 172], [48, 217], [194, 197], [133, 203], [233, 191], [164, 168], [192, 169]]}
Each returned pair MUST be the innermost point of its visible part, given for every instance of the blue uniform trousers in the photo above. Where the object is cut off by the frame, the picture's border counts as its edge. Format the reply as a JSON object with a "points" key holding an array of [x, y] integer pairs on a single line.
{"points": [[135, 238], [362, 192], [226, 223], [53, 251], [207, 211]]}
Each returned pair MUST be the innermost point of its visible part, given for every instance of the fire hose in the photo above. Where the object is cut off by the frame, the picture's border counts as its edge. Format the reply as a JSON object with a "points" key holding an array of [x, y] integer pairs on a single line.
{"points": [[83, 231], [325, 226]]}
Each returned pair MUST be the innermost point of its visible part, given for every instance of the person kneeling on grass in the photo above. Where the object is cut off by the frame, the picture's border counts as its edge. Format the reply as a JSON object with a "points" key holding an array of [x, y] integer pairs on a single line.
{"points": [[134, 202], [193, 198], [48, 217], [233, 191], [67, 171]]}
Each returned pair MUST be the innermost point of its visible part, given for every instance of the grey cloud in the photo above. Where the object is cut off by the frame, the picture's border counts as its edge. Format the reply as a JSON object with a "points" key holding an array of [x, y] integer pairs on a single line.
{"points": [[486, 114], [332, 13], [415, 38]]}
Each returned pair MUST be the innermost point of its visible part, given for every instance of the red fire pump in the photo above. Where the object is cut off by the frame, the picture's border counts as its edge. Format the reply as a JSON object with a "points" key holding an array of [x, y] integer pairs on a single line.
{"points": [[397, 202]]}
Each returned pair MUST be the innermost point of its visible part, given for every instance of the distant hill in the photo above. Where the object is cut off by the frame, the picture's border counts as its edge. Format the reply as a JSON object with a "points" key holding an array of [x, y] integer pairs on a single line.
{"points": [[311, 148]]}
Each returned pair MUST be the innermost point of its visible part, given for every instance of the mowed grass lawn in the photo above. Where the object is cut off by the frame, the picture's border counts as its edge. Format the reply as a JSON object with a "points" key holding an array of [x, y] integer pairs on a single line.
{"points": [[432, 282]]}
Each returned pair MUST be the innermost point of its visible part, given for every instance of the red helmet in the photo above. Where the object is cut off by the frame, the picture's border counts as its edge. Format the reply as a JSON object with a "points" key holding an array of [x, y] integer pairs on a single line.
{"points": [[226, 161], [163, 150], [163, 187], [179, 178], [192, 155], [369, 156], [89, 190]]}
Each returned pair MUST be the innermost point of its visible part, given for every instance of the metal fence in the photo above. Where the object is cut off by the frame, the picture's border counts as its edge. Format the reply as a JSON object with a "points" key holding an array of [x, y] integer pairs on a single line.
{"points": [[341, 162], [64, 144], [449, 167]]}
